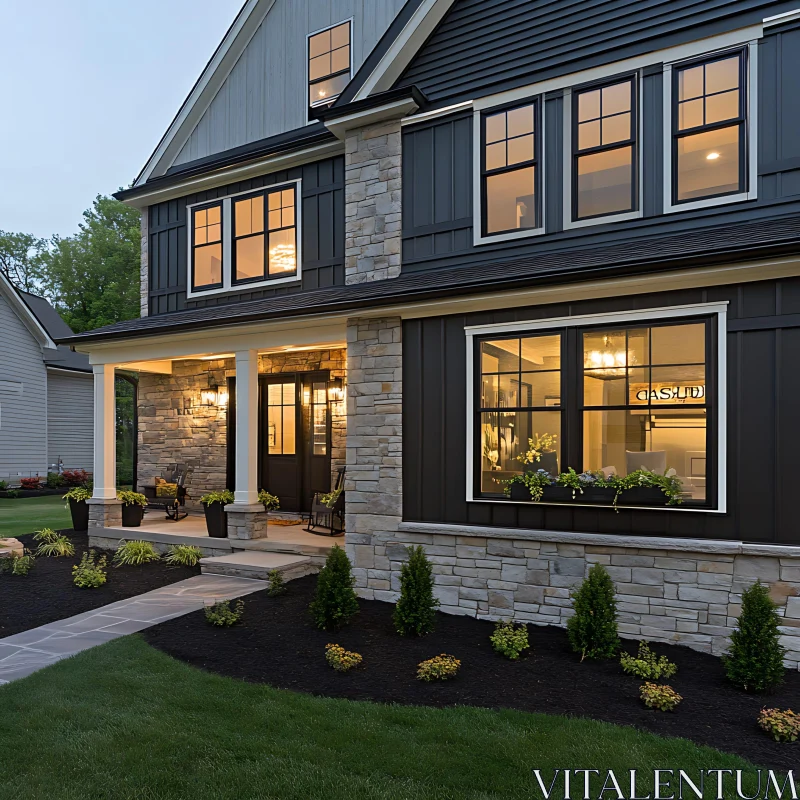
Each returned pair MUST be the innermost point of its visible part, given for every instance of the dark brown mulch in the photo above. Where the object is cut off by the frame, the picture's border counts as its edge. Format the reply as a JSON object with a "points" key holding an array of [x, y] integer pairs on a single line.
{"points": [[276, 644], [47, 594], [23, 493]]}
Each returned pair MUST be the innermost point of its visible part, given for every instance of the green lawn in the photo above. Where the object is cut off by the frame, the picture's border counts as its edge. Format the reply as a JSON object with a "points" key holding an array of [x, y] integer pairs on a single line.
{"points": [[26, 515], [126, 721]]}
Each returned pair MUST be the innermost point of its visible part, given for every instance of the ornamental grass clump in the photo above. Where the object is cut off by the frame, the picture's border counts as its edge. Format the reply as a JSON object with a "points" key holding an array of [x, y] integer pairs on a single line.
{"points": [[646, 665], [90, 573], [53, 544], [782, 726], [340, 659], [221, 615], [659, 697], [183, 555], [509, 639], [334, 602], [755, 660], [135, 553], [438, 668], [592, 630], [415, 611]]}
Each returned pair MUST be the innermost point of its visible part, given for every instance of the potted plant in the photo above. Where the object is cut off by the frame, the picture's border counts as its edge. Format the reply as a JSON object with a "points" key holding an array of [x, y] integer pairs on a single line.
{"points": [[214, 506], [597, 488], [529, 485], [269, 501], [537, 446], [642, 487], [133, 506], [78, 508], [567, 487]]}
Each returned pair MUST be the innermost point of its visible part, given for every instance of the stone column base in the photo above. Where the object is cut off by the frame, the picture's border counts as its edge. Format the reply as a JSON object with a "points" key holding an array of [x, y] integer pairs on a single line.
{"points": [[246, 521], [104, 513]]}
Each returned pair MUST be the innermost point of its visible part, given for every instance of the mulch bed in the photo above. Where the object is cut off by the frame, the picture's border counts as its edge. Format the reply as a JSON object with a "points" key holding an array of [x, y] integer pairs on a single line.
{"points": [[23, 493], [276, 644], [47, 594]]}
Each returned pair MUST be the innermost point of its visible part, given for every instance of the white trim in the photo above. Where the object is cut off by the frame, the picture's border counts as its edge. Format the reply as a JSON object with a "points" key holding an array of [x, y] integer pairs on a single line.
{"points": [[309, 119], [228, 285], [566, 212], [29, 319], [612, 318], [780, 19], [751, 138], [437, 112], [478, 237], [360, 119]]}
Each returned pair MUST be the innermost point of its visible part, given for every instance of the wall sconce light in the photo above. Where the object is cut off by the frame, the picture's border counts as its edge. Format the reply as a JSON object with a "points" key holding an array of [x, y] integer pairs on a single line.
{"points": [[335, 390], [212, 395]]}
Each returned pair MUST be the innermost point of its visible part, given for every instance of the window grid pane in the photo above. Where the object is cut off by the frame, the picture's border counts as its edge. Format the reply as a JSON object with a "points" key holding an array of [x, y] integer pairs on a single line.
{"points": [[207, 247], [328, 63], [281, 418]]}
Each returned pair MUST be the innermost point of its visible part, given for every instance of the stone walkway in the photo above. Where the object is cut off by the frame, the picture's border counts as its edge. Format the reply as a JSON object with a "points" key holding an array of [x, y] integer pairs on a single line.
{"points": [[29, 651]]}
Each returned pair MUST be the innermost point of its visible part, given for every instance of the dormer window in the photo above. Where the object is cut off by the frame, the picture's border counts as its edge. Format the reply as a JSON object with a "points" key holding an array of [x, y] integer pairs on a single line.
{"points": [[329, 64]]}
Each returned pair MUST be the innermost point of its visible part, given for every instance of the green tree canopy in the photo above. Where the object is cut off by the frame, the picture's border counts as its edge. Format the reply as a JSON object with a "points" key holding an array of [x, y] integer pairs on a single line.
{"points": [[21, 260]]}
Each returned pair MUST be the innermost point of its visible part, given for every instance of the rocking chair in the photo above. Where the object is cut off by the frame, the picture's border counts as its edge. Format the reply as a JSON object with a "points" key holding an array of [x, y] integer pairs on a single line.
{"points": [[168, 493], [330, 515]]}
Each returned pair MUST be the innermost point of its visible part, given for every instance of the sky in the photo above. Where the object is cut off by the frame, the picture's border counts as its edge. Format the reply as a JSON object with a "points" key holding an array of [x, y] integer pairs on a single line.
{"points": [[88, 87]]}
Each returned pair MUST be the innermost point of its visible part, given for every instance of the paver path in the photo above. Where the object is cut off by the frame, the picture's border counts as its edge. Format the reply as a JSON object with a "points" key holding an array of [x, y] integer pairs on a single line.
{"points": [[26, 652]]}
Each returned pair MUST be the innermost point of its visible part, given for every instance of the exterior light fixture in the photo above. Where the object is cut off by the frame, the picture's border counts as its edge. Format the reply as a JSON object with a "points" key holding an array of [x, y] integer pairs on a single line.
{"points": [[335, 390], [210, 396], [712, 156]]}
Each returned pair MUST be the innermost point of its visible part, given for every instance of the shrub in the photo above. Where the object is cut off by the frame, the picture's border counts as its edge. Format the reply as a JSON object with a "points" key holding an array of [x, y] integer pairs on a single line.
{"points": [[30, 483], [269, 501], [222, 615], [183, 555], [415, 611], [755, 660], [91, 572], [135, 553], [334, 602], [593, 629], [55, 545], [77, 493], [13, 493], [438, 668], [782, 726], [54, 480], [3, 486], [225, 497], [509, 639], [340, 659], [17, 565], [75, 477], [646, 666], [132, 499], [277, 585], [661, 697]]}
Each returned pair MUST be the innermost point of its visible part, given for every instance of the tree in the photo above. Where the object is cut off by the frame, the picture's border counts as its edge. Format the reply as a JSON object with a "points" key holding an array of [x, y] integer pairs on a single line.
{"points": [[21, 260], [593, 630], [93, 277], [334, 601], [415, 610], [755, 661]]}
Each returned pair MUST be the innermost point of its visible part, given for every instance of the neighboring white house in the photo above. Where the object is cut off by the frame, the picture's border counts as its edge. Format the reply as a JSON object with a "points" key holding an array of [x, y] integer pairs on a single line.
{"points": [[45, 391]]}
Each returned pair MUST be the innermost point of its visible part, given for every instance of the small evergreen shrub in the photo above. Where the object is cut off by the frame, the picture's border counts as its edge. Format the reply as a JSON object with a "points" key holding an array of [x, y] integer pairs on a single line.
{"points": [[3, 486], [13, 494], [438, 668], [18, 566], [755, 660], [782, 726], [340, 659], [90, 573], [135, 553], [277, 586], [592, 630], [183, 555], [334, 602], [54, 480], [222, 615], [646, 665], [415, 611], [660, 697], [509, 639]]}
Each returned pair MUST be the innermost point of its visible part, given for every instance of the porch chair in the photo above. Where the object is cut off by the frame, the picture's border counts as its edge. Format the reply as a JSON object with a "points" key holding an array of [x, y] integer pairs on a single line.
{"points": [[168, 492], [323, 516]]}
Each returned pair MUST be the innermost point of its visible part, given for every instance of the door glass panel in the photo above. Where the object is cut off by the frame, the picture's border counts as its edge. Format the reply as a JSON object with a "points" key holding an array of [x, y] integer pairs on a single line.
{"points": [[281, 418], [319, 417]]}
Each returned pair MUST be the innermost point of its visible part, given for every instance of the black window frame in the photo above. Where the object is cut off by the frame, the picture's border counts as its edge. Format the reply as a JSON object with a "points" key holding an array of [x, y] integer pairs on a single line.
{"points": [[633, 142], [535, 162], [349, 71], [741, 121], [203, 207], [264, 192], [572, 404]]}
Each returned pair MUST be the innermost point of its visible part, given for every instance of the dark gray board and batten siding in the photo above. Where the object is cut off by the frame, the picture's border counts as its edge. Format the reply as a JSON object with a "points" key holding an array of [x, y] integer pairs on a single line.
{"points": [[763, 433], [322, 238]]}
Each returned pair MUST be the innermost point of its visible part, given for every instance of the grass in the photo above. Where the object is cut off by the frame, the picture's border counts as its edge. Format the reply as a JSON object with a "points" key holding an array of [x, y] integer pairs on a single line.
{"points": [[126, 721], [29, 514]]}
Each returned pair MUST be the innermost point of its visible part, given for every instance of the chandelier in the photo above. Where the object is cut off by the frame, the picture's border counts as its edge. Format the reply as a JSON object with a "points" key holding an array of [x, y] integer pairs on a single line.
{"points": [[612, 362]]}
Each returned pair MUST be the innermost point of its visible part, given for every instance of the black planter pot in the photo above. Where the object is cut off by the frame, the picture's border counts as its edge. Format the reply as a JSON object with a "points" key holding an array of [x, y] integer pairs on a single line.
{"points": [[558, 494], [79, 511], [216, 520], [642, 496], [519, 492], [600, 495], [132, 515]]}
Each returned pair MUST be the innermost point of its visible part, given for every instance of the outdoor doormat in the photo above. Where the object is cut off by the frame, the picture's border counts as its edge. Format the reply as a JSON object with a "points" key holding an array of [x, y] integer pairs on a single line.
{"points": [[285, 522], [276, 643]]}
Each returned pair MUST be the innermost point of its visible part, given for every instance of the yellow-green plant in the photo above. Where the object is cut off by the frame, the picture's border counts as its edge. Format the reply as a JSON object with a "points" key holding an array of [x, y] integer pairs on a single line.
{"points": [[17, 565], [439, 668], [659, 696], [183, 555], [53, 544], [646, 665], [269, 501], [77, 493], [222, 615], [135, 553], [132, 498], [782, 726], [340, 659], [538, 445], [510, 639], [225, 497], [91, 572]]}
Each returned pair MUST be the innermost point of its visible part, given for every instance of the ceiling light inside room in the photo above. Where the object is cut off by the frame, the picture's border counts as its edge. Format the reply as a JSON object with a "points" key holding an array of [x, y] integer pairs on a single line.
{"points": [[712, 156]]}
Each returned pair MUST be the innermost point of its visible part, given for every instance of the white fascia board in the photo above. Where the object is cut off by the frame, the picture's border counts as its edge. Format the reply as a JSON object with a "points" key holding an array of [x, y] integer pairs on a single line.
{"points": [[399, 108], [203, 92], [782, 19], [9, 291], [421, 25]]}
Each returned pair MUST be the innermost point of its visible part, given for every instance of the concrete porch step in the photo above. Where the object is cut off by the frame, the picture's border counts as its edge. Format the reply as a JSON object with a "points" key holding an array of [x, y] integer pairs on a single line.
{"points": [[272, 546], [254, 564]]}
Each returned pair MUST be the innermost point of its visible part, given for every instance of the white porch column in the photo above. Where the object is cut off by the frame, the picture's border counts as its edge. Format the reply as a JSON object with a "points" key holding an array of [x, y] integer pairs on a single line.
{"points": [[105, 438], [246, 489]]}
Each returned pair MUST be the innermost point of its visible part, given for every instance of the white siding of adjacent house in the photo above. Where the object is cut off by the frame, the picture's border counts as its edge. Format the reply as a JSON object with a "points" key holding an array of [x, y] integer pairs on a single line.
{"points": [[266, 91], [23, 399], [70, 428]]}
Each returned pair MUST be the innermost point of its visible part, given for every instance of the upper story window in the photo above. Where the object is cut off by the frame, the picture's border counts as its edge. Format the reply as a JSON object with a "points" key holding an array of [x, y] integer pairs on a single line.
{"points": [[329, 64], [709, 115], [206, 247], [604, 124], [509, 170]]}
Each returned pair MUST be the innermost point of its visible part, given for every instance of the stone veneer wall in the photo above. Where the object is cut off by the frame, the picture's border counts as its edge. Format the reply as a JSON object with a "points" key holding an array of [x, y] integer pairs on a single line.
{"points": [[373, 181], [174, 428]]}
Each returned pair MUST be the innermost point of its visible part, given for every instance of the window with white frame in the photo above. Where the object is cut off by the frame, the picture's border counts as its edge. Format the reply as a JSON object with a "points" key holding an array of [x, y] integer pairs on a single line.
{"points": [[329, 64]]}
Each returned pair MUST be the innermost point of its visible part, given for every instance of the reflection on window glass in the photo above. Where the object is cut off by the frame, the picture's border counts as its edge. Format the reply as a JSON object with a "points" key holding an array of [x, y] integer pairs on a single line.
{"points": [[328, 64], [207, 247], [511, 200], [708, 164], [282, 232], [604, 182], [281, 418]]}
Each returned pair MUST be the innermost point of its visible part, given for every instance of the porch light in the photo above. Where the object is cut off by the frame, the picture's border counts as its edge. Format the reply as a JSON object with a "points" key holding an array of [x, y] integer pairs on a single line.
{"points": [[210, 396], [335, 390]]}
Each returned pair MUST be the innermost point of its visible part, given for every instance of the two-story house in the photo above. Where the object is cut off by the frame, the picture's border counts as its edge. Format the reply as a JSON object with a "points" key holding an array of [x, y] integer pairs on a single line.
{"points": [[427, 239]]}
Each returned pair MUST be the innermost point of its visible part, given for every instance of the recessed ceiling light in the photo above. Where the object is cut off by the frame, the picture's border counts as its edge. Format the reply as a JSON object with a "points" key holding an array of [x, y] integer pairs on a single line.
{"points": [[712, 156]]}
